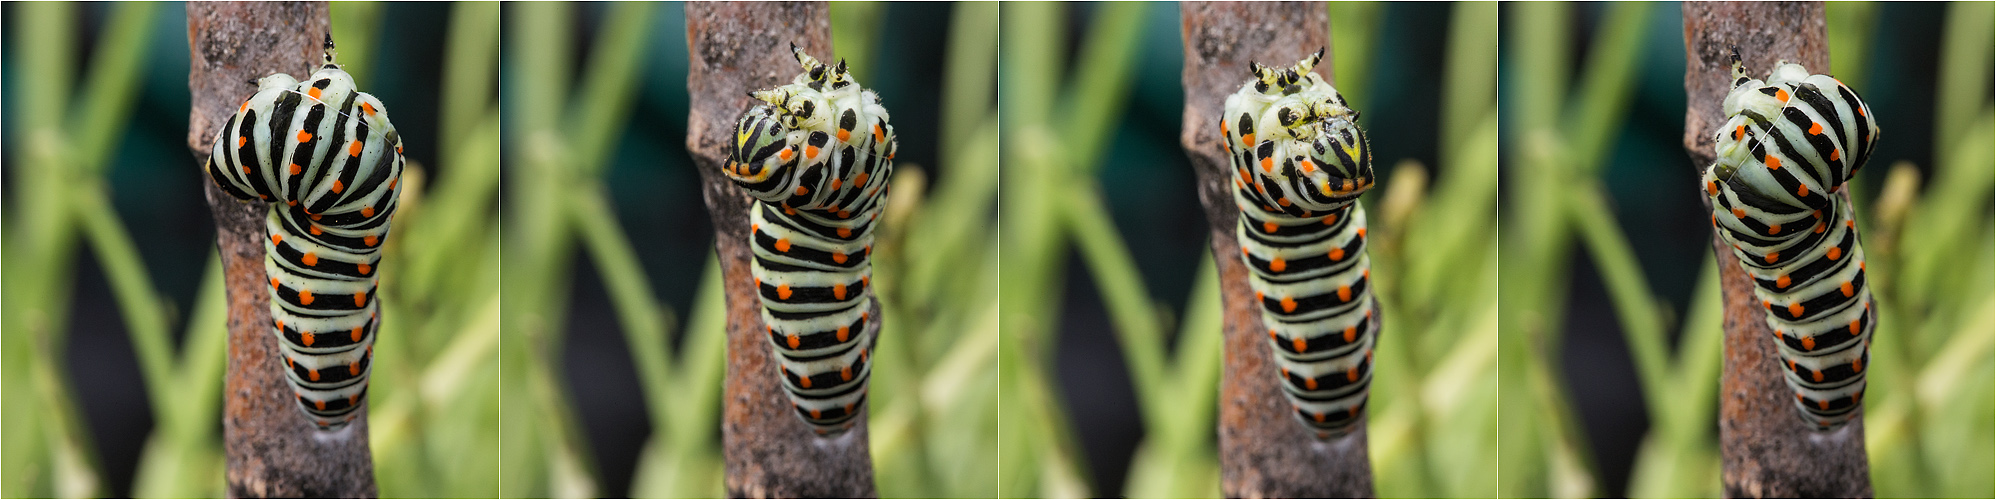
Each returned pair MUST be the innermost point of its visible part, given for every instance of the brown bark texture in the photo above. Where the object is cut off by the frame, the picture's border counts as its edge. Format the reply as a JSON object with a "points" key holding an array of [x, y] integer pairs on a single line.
{"points": [[1264, 452], [271, 449], [1766, 452], [769, 453]]}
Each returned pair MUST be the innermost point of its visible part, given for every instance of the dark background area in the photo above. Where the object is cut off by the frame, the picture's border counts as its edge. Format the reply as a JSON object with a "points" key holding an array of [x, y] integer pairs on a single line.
{"points": [[1149, 187], [157, 189], [656, 192], [1652, 187]]}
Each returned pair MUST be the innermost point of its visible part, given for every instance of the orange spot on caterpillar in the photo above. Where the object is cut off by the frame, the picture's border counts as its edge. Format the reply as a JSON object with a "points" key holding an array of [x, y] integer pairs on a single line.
{"points": [[1772, 162], [1268, 227], [801, 190], [1846, 289], [783, 245], [370, 240], [306, 338], [783, 291], [810, 151], [353, 149], [839, 291], [1815, 128], [1808, 343], [339, 187], [1300, 344], [1278, 265], [366, 211], [310, 259], [839, 257], [1288, 305], [1344, 293], [304, 297], [360, 299], [1834, 253], [845, 232], [1796, 309], [1337, 254], [1351, 334], [304, 136], [794, 342], [1781, 282], [357, 333], [368, 107], [1772, 257]]}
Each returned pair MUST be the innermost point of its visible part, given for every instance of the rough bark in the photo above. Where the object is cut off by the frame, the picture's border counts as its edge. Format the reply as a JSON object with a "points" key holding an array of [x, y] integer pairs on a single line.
{"points": [[1263, 452], [271, 450], [1766, 452], [769, 453]]}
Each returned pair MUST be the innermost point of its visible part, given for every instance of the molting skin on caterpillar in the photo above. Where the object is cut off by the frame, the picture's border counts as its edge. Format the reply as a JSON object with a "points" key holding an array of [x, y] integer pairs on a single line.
{"points": [[1784, 154], [328, 161], [816, 155], [1300, 164]]}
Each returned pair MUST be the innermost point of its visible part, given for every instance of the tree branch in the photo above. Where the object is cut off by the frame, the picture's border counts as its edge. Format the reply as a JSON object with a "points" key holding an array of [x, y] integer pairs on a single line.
{"points": [[271, 450], [1765, 450], [734, 48], [1263, 452]]}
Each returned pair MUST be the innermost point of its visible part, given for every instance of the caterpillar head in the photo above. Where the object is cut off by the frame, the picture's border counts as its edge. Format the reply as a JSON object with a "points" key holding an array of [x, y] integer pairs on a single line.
{"points": [[758, 147]]}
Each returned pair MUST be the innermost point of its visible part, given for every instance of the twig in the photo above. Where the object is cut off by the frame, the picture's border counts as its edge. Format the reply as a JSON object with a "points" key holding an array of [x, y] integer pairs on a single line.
{"points": [[1263, 452], [1764, 449], [734, 48], [271, 450]]}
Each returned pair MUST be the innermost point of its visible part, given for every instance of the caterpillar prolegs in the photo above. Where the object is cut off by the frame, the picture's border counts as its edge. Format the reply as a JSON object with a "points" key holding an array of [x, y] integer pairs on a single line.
{"points": [[1301, 163], [1788, 146], [816, 155], [328, 161]]}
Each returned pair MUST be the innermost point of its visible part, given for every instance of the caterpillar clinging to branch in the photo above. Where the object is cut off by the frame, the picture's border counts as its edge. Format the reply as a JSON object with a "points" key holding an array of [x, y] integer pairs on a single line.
{"points": [[1788, 146], [816, 155], [1301, 163], [327, 160]]}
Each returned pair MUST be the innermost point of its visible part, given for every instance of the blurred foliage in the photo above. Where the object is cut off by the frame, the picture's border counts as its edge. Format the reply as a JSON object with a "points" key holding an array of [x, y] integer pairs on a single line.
{"points": [[1433, 410], [932, 420], [1932, 400], [433, 408]]}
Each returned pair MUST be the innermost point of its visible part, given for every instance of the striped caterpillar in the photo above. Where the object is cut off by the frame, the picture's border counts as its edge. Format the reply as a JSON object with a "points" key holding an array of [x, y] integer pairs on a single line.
{"points": [[1788, 146], [1301, 163], [816, 155], [326, 158]]}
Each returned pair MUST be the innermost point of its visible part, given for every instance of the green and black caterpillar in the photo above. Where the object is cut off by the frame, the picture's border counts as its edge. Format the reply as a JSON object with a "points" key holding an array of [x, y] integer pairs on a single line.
{"points": [[1301, 163], [327, 160], [816, 154], [1788, 146]]}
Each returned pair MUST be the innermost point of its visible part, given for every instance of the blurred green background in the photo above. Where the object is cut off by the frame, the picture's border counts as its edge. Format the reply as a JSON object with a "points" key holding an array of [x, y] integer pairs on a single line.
{"points": [[614, 340], [1111, 316], [1612, 344], [113, 332]]}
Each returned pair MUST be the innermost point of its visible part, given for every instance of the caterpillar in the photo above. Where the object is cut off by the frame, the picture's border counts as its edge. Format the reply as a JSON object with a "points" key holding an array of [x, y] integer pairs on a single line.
{"points": [[816, 155], [1788, 146], [328, 161], [1301, 163]]}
